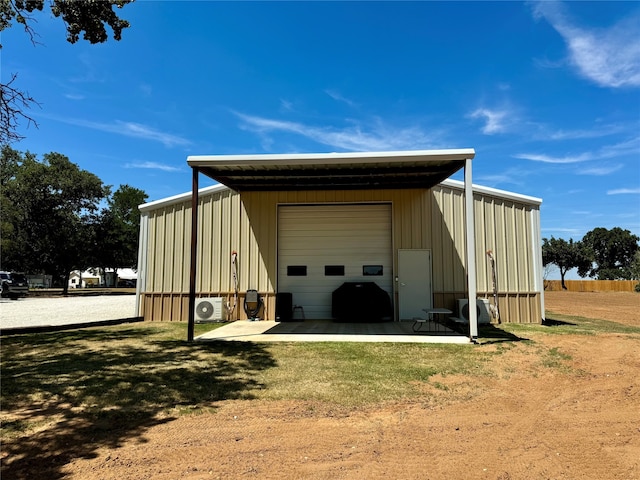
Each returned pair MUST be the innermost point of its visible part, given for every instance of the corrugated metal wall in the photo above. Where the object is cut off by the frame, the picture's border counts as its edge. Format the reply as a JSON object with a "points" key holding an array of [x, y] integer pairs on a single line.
{"points": [[423, 219]]}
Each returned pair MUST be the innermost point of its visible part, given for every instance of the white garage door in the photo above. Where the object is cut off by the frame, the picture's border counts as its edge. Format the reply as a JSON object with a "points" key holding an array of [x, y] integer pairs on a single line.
{"points": [[322, 246]]}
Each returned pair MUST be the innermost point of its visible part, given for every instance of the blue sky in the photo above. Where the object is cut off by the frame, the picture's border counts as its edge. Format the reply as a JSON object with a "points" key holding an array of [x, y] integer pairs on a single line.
{"points": [[548, 94]]}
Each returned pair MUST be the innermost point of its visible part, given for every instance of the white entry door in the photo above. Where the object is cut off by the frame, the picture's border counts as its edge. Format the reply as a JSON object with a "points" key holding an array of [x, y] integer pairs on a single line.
{"points": [[414, 283]]}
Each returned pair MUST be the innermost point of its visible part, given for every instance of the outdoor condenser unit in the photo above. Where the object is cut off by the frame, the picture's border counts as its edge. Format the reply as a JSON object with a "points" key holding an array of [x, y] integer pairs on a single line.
{"points": [[482, 309], [209, 310]]}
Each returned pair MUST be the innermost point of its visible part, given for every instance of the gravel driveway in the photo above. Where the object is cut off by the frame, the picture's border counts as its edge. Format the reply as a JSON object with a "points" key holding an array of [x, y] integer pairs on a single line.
{"points": [[56, 311]]}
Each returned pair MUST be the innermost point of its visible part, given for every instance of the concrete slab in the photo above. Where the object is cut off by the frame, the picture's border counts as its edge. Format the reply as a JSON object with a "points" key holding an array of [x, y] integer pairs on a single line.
{"points": [[327, 331]]}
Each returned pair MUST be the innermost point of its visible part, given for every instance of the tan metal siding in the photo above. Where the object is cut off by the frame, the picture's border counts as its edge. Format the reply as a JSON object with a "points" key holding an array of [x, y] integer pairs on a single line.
{"points": [[505, 229], [448, 240], [422, 219]]}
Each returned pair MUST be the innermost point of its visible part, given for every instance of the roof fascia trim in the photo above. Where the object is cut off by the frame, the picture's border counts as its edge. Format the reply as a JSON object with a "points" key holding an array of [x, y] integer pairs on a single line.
{"points": [[331, 158], [494, 192], [182, 197]]}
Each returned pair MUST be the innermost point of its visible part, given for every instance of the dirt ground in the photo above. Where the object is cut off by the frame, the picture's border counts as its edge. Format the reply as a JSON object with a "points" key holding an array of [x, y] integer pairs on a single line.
{"points": [[622, 307], [578, 418]]}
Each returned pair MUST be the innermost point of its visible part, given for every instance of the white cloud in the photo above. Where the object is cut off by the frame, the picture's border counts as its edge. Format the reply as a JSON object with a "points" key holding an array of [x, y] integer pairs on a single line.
{"points": [[629, 147], [535, 157], [494, 120], [609, 57], [138, 130], [572, 231], [512, 176], [377, 137], [128, 129], [146, 89], [623, 191], [74, 96], [153, 166], [286, 105], [596, 132], [339, 97], [601, 171], [582, 212]]}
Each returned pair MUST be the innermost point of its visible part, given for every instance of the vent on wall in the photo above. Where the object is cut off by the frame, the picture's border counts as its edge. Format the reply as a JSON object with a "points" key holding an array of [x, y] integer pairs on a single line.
{"points": [[482, 309], [209, 310]]}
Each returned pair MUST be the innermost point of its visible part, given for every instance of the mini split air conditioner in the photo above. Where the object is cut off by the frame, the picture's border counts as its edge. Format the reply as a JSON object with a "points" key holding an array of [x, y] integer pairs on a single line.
{"points": [[482, 309], [209, 310]]}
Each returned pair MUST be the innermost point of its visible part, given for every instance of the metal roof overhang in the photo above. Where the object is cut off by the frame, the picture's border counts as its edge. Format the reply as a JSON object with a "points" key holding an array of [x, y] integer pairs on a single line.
{"points": [[329, 171], [323, 171]]}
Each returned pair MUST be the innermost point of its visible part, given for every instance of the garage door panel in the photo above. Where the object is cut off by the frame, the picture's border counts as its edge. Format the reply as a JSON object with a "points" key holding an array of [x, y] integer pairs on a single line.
{"points": [[337, 235]]}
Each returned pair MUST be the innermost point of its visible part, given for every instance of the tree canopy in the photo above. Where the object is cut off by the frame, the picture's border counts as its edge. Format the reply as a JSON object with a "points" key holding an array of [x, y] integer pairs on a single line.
{"points": [[602, 254], [52, 220], [116, 230], [86, 18], [612, 252], [565, 255]]}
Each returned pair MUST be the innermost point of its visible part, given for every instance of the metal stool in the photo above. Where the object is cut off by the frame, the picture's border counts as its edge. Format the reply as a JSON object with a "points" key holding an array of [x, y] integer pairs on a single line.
{"points": [[298, 307]]}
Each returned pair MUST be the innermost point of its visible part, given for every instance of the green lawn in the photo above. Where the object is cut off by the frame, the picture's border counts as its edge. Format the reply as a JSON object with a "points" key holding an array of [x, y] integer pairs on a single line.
{"points": [[128, 374]]}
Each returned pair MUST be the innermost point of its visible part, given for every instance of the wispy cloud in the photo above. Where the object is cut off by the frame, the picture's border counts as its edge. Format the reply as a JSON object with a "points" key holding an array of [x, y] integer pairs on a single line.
{"points": [[145, 89], [74, 96], [494, 120], [377, 136], [582, 212], [128, 129], [596, 132], [572, 231], [610, 57], [340, 98], [511, 176], [601, 171], [630, 147], [286, 105], [623, 191], [153, 166], [536, 157]]}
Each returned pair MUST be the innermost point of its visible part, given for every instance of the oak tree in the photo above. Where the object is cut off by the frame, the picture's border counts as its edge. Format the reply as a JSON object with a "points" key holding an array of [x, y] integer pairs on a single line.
{"points": [[565, 255], [612, 252], [48, 206], [88, 19]]}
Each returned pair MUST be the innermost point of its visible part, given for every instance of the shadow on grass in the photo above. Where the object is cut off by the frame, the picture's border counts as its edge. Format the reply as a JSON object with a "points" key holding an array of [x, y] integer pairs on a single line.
{"points": [[553, 322], [487, 333], [490, 334], [82, 391]]}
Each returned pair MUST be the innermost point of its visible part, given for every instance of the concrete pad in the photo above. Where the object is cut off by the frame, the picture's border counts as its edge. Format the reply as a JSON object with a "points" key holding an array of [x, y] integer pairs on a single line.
{"points": [[327, 331]]}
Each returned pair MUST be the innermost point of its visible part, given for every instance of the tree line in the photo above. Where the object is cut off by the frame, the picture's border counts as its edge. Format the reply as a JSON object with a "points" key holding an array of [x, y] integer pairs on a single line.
{"points": [[602, 254], [57, 218]]}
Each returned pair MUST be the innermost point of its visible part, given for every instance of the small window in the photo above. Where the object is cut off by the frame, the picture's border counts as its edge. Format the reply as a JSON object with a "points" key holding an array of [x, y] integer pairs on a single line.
{"points": [[334, 270], [372, 270], [297, 271]]}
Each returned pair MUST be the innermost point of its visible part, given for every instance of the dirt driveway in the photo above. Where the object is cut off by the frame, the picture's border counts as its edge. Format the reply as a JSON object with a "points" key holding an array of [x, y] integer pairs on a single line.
{"points": [[560, 406]]}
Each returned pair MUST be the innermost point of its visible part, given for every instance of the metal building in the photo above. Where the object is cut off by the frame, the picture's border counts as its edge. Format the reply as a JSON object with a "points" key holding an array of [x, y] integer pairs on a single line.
{"points": [[305, 224]]}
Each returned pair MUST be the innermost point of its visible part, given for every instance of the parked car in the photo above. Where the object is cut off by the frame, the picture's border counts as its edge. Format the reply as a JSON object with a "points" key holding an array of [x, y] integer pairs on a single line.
{"points": [[125, 282], [14, 285]]}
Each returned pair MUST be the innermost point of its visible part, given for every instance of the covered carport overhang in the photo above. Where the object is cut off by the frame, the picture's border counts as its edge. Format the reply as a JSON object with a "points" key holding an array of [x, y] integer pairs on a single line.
{"points": [[336, 171]]}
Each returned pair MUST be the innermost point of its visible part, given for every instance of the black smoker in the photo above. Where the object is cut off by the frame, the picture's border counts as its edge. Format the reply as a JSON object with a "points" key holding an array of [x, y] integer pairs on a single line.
{"points": [[360, 302]]}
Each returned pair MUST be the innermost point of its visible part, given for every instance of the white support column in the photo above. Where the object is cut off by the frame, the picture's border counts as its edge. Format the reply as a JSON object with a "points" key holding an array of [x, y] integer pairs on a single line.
{"points": [[471, 250], [538, 268], [141, 281]]}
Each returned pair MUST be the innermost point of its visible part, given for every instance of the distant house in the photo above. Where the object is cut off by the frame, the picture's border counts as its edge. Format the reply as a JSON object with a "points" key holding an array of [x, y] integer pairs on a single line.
{"points": [[78, 279], [94, 278], [305, 224]]}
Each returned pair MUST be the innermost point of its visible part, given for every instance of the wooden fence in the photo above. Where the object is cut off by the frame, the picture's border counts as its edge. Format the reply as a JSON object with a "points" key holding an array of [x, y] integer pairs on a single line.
{"points": [[592, 285]]}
